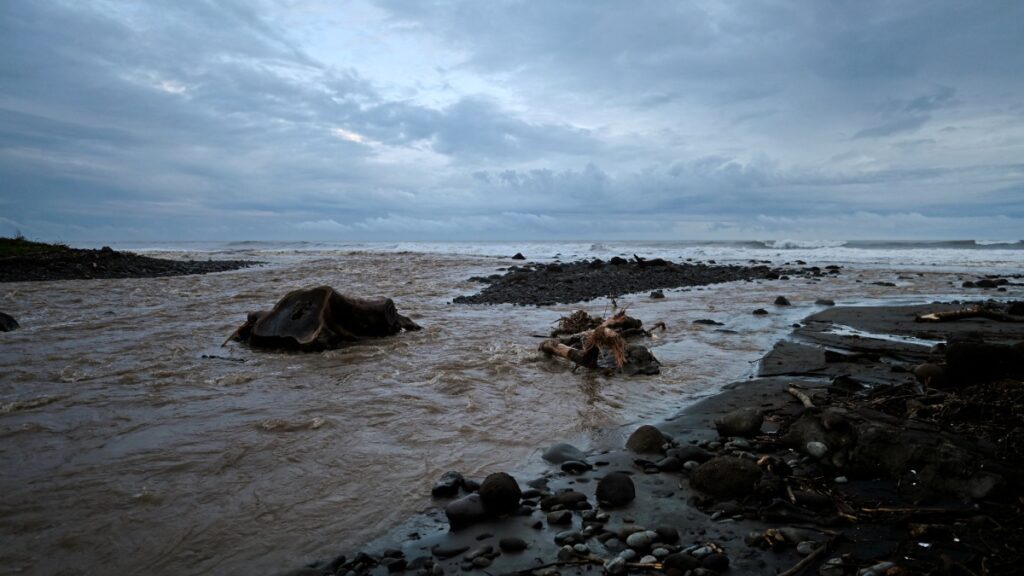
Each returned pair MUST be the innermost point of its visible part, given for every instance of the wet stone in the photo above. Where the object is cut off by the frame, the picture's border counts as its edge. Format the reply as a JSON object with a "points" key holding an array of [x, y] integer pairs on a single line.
{"points": [[740, 422], [448, 485], [512, 544], [560, 453], [646, 440], [716, 562], [648, 559], [559, 518], [615, 489], [640, 540], [500, 493], [575, 467], [667, 534]]}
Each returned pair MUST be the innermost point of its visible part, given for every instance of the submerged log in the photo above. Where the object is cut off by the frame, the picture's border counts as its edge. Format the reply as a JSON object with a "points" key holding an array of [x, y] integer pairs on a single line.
{"points": [[320, 319]]}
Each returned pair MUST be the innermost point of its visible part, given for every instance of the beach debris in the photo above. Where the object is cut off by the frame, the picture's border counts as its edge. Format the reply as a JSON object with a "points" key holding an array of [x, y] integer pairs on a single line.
{"points": [[7, 322], [320, 318], [591, 342]]}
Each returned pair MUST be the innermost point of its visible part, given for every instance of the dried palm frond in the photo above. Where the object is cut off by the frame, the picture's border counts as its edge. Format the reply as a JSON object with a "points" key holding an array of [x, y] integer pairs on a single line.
{"points": [[578, 321], [603, 337]]}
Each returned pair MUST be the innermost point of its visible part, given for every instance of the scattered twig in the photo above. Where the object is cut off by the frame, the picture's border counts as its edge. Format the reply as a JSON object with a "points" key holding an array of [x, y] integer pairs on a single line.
{"points": [[808, 560]]}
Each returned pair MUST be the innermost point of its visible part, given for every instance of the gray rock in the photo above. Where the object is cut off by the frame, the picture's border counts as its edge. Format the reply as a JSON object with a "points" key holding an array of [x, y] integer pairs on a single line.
{"points": [[715, 561], [657, 295], [646, 440], [481, 562], [615, 489], [559, 518], [680, 562], [690, 452], [670, 464], [691, 465], [825, 302], [448, 485], [639, 541], [660, 552], [513, 544], [465, 511], [562, 453], [500, 493], [628, 554], [575, 466], [568, 537], [782, 301], [581, 549], [568, 499], [726, 477], [648, 559], [566, 553], [740, 422], [667, 534]]}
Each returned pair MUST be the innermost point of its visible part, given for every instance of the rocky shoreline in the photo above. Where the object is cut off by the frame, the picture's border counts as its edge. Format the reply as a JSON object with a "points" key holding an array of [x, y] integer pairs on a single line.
{"points": [[25, 261], [562, 283], [869, 443]]}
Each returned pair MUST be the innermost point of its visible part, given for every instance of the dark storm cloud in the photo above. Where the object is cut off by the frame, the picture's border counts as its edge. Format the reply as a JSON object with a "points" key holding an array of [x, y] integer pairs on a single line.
{"points": [[235, 119]]}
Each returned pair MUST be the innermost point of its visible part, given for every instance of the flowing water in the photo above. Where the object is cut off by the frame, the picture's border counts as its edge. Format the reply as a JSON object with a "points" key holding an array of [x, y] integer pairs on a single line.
{"points": [[132, 442]]}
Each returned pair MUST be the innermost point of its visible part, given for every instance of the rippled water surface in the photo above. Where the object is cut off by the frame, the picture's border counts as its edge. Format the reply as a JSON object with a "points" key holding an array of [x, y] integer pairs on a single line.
{"points": [[125, 450]]}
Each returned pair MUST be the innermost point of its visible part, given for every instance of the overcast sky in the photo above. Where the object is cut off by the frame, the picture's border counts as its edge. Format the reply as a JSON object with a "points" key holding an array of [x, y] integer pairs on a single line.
{"points": [[406, 119]]}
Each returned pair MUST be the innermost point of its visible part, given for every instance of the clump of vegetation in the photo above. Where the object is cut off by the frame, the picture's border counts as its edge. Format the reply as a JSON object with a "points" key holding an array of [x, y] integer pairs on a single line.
{"points": [[19, 246]]}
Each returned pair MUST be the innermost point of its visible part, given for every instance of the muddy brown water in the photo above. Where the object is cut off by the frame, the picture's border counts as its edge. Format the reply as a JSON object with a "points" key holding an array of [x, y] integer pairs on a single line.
{"points": [[124, 450]]}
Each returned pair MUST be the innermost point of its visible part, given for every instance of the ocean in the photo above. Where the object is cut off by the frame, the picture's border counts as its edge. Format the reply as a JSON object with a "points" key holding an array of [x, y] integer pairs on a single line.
{"points": [[132, 441]]}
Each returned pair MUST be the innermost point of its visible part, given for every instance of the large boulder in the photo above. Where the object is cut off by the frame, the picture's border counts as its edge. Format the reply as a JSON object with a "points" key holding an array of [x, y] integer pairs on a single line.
{"points": [[7, 322], [615, 489], [646, 440], [320, 319], [500, 494]]}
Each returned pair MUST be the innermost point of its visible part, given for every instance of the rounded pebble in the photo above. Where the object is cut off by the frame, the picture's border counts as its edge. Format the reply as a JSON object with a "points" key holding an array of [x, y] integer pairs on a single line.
{"points": [[639, 540], [816, 449]]}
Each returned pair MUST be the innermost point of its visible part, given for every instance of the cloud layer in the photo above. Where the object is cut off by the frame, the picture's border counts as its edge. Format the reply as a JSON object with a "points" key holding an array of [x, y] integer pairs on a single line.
{"points": [[307, 119]]}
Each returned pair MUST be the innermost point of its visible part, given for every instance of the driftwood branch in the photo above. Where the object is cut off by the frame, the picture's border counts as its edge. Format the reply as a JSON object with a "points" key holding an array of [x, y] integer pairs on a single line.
{"points": [[801, 396], [808, 560], [972, 312]]}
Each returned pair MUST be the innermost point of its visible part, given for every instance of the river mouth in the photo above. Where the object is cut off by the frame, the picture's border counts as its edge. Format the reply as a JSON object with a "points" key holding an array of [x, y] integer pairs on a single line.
{"points": [[135, 442]]}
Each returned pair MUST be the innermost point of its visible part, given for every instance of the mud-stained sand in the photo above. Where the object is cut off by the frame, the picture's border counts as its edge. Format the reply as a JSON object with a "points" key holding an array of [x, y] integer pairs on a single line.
{"points": [[22, 261], [860, 466]]}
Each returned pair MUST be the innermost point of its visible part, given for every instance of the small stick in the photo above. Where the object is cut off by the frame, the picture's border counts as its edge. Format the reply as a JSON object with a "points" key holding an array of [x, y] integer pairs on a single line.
{"points": [[803, 564], [803, 398]]}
